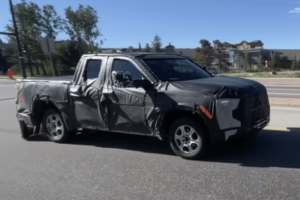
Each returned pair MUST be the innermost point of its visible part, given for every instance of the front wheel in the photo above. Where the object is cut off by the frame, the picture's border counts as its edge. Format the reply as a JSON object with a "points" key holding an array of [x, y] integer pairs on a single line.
{"points": [[188, 139], [54, 127]]}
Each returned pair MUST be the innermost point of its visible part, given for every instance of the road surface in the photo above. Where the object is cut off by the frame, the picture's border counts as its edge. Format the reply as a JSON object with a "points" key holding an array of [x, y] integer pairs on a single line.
{"points": [[283, 91], [117, 166]]}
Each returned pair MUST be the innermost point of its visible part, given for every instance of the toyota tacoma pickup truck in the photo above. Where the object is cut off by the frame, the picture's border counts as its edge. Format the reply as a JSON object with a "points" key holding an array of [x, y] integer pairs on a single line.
{"points": [[154, 94]]}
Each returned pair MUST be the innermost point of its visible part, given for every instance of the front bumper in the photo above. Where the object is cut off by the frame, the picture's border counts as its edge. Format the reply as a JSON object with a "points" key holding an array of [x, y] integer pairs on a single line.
{"points": [[239, 117], [247, 131]]}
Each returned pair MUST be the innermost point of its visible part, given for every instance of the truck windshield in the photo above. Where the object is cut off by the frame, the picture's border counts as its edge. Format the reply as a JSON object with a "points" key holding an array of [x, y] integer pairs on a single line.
{"points": [[177, 69]]}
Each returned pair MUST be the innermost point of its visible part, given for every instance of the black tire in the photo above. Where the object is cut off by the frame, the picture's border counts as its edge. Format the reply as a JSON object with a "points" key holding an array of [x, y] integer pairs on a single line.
{"points": [[189, 149], [215, 73], [52, 120], [25, 131]]}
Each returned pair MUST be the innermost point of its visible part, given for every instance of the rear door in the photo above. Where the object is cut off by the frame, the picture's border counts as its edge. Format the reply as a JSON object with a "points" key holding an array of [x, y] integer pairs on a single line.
{"points": [[86, 94]]}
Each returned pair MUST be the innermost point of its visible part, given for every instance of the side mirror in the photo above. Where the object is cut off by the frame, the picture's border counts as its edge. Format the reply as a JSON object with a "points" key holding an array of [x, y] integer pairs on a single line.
{"points": [[141, 83]]}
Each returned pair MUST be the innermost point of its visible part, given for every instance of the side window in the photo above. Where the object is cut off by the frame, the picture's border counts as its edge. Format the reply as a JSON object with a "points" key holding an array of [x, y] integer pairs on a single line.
{"points": [[126, 66], [92, 69], [124, 72]]}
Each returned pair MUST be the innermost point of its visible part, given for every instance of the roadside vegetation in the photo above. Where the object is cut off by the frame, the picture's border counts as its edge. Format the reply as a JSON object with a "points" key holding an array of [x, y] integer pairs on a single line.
{"points": [[35, 22], [81, 25]]}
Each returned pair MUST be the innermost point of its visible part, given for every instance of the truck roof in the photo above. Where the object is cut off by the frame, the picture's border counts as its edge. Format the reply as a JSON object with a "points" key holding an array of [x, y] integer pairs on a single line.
{"points": [[144, 55]]}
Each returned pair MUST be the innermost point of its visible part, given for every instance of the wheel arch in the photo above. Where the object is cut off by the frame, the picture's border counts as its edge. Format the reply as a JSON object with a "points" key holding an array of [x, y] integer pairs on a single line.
{"points": [[171, 116], [40, 106]]}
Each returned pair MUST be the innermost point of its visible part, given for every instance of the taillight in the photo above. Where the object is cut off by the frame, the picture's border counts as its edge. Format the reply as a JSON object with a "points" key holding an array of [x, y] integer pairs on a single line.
{"points": [[21, 97]]}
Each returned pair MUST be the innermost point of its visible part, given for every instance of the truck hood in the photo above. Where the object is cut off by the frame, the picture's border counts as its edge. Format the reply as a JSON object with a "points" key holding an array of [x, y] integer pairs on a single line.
{"points": [[214, 84]]}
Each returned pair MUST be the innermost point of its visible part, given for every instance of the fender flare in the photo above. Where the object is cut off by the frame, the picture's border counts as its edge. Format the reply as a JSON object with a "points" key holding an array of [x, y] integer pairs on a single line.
{"points": [[38, 109]]}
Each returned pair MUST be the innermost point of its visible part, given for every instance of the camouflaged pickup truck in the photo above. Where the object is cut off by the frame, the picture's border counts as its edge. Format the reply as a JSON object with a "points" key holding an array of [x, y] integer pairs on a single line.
{"points": [[153, 94]]}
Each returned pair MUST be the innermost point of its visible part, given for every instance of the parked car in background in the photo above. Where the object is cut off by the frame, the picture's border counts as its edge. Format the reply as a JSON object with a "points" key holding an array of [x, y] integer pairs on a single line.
{"points": [[213, 70]]}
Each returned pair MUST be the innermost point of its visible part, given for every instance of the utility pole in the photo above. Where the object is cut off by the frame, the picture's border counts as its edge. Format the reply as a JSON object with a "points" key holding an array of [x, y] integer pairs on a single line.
{"points": [[18, 40]]}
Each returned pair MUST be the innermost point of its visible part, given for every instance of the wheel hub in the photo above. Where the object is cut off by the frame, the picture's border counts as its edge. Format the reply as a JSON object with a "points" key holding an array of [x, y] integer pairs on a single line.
{"points": [[55, 126], [187, 139]]}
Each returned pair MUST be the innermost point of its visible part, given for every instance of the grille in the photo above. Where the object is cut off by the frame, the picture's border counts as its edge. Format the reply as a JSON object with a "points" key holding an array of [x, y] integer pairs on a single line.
{"points": [[254, 108]]}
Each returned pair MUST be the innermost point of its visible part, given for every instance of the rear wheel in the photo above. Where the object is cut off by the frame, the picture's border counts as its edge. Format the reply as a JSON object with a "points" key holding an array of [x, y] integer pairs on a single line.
{"points": [[54, 127], [188, 139]]}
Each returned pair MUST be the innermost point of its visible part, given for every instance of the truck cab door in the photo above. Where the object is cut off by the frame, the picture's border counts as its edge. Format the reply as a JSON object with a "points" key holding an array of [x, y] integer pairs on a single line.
{"points": [[126, 104], [86, 93]]}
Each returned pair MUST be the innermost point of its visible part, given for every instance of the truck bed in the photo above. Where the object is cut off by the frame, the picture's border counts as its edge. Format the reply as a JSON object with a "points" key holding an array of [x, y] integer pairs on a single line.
{"points": [[50, 78]]}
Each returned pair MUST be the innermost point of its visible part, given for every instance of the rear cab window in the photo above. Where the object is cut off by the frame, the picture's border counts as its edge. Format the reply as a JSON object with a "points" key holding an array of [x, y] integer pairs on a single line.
{"points": [[92, 70]]}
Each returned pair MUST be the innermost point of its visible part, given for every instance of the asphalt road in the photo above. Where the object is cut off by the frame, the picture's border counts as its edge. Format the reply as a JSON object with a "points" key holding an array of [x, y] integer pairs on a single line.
{"points": [[117, 166], [283, 91]]}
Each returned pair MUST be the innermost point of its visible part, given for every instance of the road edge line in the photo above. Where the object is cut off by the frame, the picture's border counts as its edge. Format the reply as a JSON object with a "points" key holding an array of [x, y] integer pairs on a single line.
{"points": [[274, 128]]}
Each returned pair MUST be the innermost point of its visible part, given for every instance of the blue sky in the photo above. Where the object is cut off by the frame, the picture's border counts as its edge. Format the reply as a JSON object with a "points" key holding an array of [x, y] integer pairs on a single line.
{"points": [[184, 23]]}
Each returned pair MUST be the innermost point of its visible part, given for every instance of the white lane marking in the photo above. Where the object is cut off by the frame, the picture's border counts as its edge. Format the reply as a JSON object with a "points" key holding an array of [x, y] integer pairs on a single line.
{"points": [[285, 108], [274, 128], [297, 86], [284, 89], [285, 94]]}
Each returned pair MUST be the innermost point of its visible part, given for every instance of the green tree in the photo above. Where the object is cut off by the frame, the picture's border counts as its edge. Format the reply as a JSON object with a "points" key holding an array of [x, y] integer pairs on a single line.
{"points": [[247, 61], [239, 58], [220, 54], [295, 64], [205, 54], [51, 22], [2, 44], [68, 55], [263, 60], [12, 50], [275, 62], [28, 19], [147, 47], [3, 63], [130, 48], [156, 43], [81, 25], [32, 22]]}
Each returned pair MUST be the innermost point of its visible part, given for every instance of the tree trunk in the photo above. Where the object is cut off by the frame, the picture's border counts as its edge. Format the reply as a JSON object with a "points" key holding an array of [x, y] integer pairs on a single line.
{"points": [[37, 69], [30, 69], [29, 66], [30, 63], [28, 60], [43, 68], [54, 66]]}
